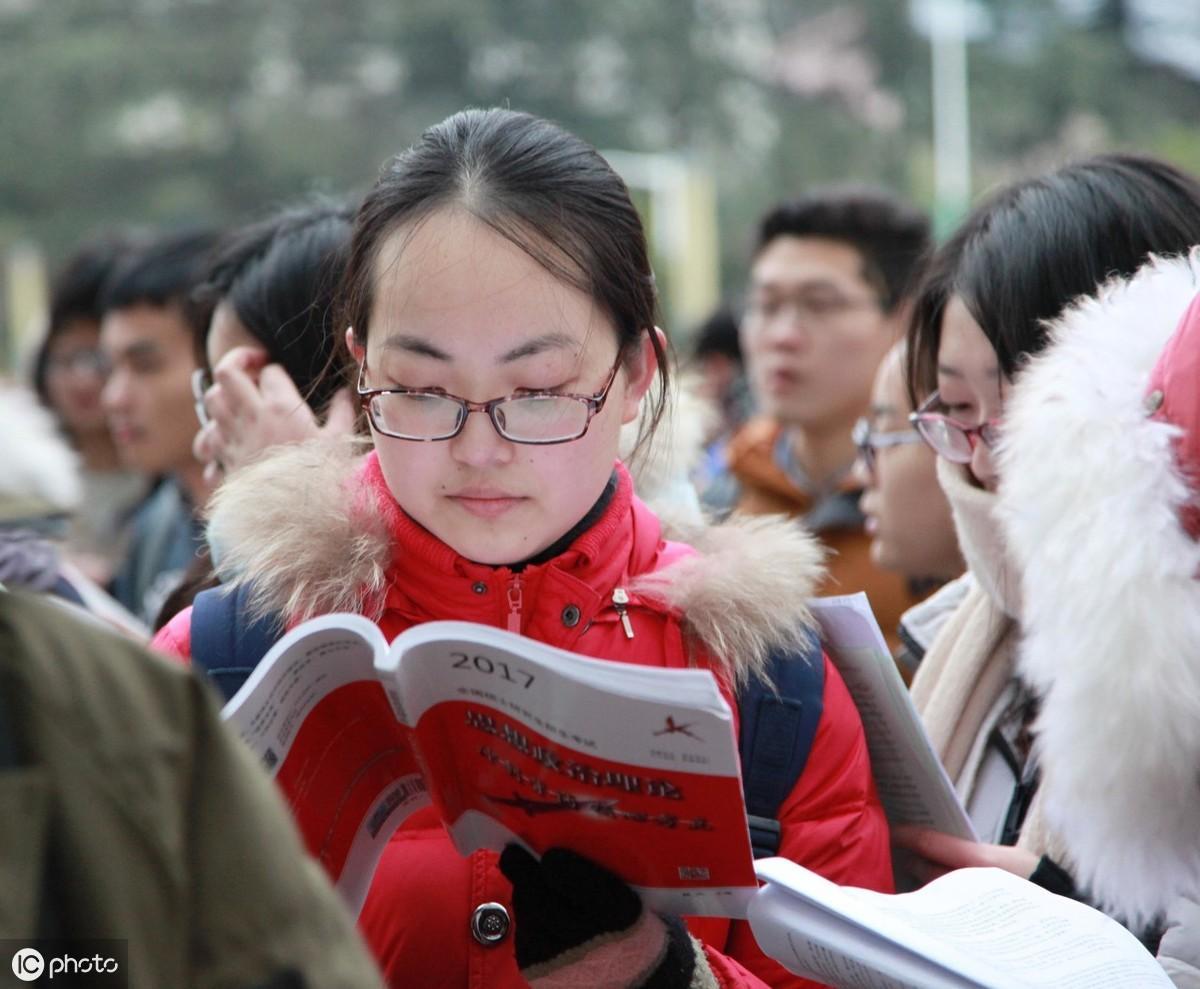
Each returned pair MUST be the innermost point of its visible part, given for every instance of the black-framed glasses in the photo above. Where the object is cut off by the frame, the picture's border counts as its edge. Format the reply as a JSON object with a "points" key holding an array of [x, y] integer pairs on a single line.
{"points": [[950, 438], [868, 440], [424, 415], [201, 382]]}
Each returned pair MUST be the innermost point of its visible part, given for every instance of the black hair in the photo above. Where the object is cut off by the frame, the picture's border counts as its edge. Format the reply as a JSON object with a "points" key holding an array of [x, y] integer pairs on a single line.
{"points": [[890, 236], [1033, 247], [162, 273], [718, 334], [280, 276], [75, 296], [537, 185]]}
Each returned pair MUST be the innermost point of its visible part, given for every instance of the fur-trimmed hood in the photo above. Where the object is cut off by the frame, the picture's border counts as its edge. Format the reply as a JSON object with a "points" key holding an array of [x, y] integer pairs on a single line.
{"points": [[328, 546], [1111, 621]]}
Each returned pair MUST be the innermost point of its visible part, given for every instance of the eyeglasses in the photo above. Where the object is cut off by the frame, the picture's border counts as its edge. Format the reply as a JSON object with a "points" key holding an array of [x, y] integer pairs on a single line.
{"points": [[810, 308], [868, 441], [424, 415], [85, 361], [201, 382], [950, 438]]}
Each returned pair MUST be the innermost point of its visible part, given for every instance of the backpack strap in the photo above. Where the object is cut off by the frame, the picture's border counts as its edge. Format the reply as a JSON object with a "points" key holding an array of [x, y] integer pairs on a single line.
{"points": [[778, 725], [226, 642]]}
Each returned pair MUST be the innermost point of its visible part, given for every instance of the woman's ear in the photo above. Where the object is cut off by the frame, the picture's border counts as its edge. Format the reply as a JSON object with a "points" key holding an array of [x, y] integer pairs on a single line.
{"points": [[641, 370], [356, 349]]}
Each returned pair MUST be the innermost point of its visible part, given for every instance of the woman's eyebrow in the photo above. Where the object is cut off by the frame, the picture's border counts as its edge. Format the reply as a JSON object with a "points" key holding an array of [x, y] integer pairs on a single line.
{"points": [[538, 345], [952, 372], [415, 345], [547, 341]]}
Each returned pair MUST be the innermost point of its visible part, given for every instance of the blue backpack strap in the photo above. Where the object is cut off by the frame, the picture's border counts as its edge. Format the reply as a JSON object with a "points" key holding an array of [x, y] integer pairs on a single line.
{"points": [[226, 642], [776, 736]]}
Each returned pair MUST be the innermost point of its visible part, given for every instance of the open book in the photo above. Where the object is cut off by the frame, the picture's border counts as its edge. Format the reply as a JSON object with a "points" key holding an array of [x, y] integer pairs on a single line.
{"points": [[506, 739], [970, 929], [913, 787]]}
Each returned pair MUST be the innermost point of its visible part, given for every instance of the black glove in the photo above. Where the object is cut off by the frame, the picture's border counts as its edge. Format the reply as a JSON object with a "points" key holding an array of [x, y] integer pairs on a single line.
{"points": [[581, 925]]}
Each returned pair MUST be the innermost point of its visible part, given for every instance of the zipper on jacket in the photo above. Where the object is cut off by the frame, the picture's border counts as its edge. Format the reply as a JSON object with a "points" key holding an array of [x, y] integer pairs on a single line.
{"points": [[514, 603], [620, 601]]}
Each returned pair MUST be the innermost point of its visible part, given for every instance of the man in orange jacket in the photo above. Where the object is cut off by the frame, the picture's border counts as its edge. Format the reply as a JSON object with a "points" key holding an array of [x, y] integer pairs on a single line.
{"points": [[827, 299]]}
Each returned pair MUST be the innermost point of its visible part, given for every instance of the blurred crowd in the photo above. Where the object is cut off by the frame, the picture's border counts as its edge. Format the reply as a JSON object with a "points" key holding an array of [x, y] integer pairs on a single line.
{"points": [[996, 438]]}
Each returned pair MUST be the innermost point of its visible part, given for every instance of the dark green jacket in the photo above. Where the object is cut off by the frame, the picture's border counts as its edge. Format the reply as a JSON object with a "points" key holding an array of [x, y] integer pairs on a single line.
{"points": [[128, 811]]}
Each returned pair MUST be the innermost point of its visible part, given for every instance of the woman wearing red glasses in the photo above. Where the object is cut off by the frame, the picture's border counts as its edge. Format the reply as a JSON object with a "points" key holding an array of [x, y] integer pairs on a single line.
{"points": [[980, 315]]}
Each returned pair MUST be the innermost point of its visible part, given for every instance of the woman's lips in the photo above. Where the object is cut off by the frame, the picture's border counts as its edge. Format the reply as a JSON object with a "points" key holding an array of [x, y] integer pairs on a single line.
{"points": [[486, 505]]}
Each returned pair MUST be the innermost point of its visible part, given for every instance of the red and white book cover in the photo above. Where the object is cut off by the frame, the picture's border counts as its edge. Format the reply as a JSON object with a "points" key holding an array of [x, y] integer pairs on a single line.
{"points": [[635, 767]]}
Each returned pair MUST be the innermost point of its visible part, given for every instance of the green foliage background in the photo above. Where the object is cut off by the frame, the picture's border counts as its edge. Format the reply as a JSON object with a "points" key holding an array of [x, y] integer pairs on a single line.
{"points": [[165, 111]]}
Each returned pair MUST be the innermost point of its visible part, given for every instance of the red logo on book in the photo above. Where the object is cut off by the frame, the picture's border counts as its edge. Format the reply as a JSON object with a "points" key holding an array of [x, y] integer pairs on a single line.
{"points": [[673, 729]]}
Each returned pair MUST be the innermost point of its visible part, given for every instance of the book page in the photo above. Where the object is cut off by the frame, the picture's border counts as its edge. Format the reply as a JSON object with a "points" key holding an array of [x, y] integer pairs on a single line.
{"points": [[634, 766], [321, 722], [912, 784], [972, 927]]}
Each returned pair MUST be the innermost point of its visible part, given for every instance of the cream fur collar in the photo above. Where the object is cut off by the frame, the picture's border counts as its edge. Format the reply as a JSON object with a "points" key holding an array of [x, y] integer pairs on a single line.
{"points": [[1112, 604], [309, 547]]}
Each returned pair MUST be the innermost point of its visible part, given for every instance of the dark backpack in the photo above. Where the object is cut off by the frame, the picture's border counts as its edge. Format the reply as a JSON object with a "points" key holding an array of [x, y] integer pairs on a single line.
{"points": [[777, 725]]}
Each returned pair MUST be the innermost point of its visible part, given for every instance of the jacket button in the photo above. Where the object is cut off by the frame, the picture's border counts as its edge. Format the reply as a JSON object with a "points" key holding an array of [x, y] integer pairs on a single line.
{"points": [[489, 924], [479, 587], [1154, 401], [570, 615]]}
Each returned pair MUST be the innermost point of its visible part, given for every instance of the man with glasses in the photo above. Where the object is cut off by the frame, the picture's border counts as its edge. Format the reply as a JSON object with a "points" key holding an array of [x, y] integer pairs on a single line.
{"points": [[827, 299], [148, 336]]}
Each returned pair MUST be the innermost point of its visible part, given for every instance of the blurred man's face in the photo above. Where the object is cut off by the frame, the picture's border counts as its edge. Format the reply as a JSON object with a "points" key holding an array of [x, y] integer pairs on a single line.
{"points": [[148, 396], [814, 333]]}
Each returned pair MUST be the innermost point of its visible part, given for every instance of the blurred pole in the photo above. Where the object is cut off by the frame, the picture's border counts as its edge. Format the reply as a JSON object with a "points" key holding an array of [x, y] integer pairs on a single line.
{"points": [[682, 228], [951, 118], [23, 297]]}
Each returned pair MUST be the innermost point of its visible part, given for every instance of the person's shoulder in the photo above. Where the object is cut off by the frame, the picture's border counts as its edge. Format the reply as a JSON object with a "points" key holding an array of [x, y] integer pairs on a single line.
{"points": [[756, 438], [174, 639], [90, 680]]}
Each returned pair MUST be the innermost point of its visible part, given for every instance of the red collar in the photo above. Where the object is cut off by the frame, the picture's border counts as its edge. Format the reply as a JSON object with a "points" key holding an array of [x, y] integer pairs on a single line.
{"points": [[428, 580]]}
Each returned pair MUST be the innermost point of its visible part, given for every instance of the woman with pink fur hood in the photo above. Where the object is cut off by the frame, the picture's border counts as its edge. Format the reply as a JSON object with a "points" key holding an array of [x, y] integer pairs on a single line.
{"points": [[1101, 472]]}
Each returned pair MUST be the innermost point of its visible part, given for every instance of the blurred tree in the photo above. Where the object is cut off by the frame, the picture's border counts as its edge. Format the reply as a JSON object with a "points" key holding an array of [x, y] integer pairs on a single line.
{"points": [[154, 111]]}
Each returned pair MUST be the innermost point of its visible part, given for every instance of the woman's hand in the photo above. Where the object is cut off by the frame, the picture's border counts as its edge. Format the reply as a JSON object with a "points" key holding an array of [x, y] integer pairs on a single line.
{"points": [[577, 924], [935, 854], [253, 405]]}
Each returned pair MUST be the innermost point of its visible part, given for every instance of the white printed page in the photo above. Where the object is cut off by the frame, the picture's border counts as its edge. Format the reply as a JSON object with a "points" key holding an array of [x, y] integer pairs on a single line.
{"points": [[912, 784], [974, 928], [1035, 937], [812, 941]]}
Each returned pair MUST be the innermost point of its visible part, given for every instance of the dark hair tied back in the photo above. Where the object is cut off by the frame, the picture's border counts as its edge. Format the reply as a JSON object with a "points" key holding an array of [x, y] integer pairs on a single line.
{"points": [[540, 187]]}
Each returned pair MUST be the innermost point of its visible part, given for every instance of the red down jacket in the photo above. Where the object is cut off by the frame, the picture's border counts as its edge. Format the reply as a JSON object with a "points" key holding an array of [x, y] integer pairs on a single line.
{"points": [[417, 915]]}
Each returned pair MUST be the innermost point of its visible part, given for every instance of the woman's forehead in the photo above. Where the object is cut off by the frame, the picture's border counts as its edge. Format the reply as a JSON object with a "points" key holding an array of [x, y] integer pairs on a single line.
{"points": [[455, 283], [964, 350]]}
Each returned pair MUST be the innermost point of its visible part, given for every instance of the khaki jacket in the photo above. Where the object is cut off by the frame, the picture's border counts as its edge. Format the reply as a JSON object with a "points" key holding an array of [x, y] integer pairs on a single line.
{"points": [[128, 811]]}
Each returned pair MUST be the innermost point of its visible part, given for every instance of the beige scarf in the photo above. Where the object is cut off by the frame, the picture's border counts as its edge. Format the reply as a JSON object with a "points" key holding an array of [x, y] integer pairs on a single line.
{"points": [[972, 659]]}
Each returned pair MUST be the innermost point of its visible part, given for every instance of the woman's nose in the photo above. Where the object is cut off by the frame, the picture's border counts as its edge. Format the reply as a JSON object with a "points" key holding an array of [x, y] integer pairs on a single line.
{"points": [[479, 444]]}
